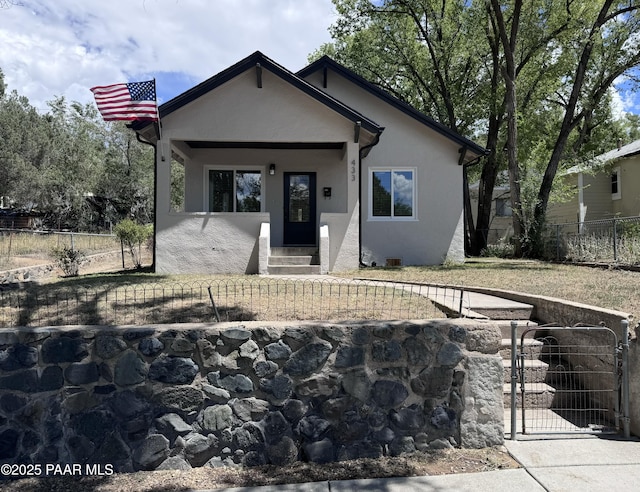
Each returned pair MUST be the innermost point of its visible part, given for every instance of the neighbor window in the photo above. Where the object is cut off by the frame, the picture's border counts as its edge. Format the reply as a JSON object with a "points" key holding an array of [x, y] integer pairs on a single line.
{"points": [[235, 190], [392, 194], [503, 207], [615, 184]]}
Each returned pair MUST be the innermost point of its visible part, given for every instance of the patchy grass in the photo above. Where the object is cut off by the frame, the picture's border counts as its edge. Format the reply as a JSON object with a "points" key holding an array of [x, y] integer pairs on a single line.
{"points": [[139, 298], [144, 297]]}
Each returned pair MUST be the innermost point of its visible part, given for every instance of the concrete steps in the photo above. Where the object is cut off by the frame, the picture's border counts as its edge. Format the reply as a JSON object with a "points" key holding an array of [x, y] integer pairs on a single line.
{"points": [[539, 395], [294, 261]]}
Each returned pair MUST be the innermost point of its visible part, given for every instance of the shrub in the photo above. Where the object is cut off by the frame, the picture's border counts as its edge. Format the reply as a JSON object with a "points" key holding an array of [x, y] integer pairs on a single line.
{"points": [[69, 260], [132, 235], [502, 249]]}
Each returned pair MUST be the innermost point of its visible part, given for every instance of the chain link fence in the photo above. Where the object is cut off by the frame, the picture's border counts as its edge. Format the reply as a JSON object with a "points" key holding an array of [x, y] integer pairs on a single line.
{"points": [[597, 241], [231, 299]]}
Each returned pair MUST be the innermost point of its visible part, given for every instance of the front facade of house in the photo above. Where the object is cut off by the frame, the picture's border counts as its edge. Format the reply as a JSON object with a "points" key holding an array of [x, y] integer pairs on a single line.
{"points": [[320, 160], [608, 187]]}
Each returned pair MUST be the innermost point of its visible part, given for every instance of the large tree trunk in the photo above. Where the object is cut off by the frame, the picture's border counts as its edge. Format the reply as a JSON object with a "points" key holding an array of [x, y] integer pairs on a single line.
{"points": [[509, 74], [569, 122], [485, 200]]}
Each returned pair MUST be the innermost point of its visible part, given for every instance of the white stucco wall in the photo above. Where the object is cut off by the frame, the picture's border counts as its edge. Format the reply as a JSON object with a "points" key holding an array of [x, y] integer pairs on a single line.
{"points": [[239, 111], [436, 234], [208, 243]]}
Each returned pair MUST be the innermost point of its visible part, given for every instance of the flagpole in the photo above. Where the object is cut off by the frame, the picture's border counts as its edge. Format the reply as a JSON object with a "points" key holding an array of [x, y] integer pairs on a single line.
{"points": [[155, 90]]}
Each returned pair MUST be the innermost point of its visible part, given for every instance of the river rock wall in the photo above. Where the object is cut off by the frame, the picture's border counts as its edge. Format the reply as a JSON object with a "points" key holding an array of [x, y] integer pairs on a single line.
{"points": [[181, 396]]}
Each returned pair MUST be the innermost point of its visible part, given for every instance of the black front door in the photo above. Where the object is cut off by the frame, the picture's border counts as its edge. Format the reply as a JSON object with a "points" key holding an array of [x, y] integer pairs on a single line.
{"points": [[299, 209]]}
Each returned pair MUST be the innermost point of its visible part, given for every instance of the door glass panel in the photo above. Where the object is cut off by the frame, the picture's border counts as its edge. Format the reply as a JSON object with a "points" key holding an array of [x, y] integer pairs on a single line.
{"points": [[299, 203]]}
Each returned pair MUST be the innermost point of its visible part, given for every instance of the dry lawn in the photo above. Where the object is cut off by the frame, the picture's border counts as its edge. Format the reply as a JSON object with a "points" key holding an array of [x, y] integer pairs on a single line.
{"points": [[603, 287]]}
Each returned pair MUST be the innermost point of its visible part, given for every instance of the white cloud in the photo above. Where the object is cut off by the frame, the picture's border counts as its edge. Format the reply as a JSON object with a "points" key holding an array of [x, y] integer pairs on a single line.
{"points": [[623, 98], [67, 46], [403, 187]]}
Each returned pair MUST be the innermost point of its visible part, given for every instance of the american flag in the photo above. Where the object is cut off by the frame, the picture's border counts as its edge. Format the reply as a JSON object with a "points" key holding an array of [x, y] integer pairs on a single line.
{"points": [[131, 101]]}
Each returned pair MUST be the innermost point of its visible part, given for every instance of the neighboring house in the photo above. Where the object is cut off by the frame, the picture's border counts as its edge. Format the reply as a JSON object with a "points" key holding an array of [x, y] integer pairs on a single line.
{"points": [[501, 220], [19, 219], [607, 186], [321, 159]]}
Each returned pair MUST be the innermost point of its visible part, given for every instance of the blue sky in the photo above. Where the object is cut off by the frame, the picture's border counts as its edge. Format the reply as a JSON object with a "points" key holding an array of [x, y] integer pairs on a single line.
{"points": [[63, 47]]}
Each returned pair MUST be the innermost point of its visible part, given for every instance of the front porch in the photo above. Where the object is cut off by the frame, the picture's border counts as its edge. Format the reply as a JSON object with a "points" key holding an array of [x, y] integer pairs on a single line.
{"points": [[242, 243]]}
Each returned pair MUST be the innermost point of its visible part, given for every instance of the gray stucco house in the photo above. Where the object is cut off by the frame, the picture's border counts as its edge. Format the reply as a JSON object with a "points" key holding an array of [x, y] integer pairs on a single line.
{"points": [[318, 163]]}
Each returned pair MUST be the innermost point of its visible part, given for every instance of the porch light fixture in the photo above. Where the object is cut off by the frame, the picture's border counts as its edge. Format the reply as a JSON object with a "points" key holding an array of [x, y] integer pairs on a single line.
{"points": [[272, 169]]}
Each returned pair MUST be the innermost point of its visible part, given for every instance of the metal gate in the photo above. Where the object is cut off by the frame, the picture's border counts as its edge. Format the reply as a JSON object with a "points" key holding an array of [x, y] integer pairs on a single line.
{"points": [[570, 380]]}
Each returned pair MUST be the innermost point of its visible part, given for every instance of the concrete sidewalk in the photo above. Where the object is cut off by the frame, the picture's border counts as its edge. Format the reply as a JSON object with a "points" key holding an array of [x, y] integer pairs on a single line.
{"points": [[578, 464]]}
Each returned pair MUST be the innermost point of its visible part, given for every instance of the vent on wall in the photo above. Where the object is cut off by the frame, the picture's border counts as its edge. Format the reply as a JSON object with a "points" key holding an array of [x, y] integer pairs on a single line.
{"points": [[394, 262]]}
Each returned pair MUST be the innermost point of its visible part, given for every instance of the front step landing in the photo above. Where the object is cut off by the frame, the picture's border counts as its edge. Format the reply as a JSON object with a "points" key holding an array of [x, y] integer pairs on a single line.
{"points": [[294, 261], [498, 308]]}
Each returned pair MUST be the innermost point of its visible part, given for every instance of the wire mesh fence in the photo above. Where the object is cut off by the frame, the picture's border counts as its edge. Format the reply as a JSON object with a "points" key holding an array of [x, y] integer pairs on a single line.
{"points": [[234, 299], [609, 241], [15, 242]]}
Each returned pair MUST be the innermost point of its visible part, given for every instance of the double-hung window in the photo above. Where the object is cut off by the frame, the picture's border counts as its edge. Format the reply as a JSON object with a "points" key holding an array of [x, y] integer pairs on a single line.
{"points": [[392, 194], [234, 190]]}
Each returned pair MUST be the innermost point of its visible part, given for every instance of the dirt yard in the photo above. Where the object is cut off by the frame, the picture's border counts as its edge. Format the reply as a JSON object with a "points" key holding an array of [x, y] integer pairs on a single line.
{"points": [[418, 464]]}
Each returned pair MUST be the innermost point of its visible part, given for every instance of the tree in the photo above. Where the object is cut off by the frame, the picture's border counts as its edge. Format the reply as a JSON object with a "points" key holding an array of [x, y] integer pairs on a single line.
{"points": [[475, 65], [76, 170], [125, 185], [132, 235], [608, 49], [23, 144]]}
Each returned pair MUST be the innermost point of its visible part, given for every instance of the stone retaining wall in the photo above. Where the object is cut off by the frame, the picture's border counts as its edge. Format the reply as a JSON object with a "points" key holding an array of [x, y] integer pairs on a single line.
{"points": [[181, 396], [27, 274]]}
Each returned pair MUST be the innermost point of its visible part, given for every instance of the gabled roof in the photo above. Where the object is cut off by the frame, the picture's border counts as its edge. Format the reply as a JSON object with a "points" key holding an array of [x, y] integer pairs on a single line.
{"points": [[254, 60], [625, 151], [327, 62]]}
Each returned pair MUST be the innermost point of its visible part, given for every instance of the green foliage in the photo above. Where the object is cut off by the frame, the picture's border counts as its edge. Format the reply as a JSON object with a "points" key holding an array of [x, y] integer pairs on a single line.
{"points": [[447, 59], [502, 249], [133, 235], [80, 172], [69, 260]]}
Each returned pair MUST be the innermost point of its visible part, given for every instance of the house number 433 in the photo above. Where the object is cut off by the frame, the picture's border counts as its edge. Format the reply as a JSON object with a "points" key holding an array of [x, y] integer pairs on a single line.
{"points": [[353, 170]]}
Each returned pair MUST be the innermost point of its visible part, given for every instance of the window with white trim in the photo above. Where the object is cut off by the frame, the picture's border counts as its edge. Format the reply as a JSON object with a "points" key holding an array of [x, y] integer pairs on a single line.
{"points": [[616, 193], [392, 194], [234, 190]]}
